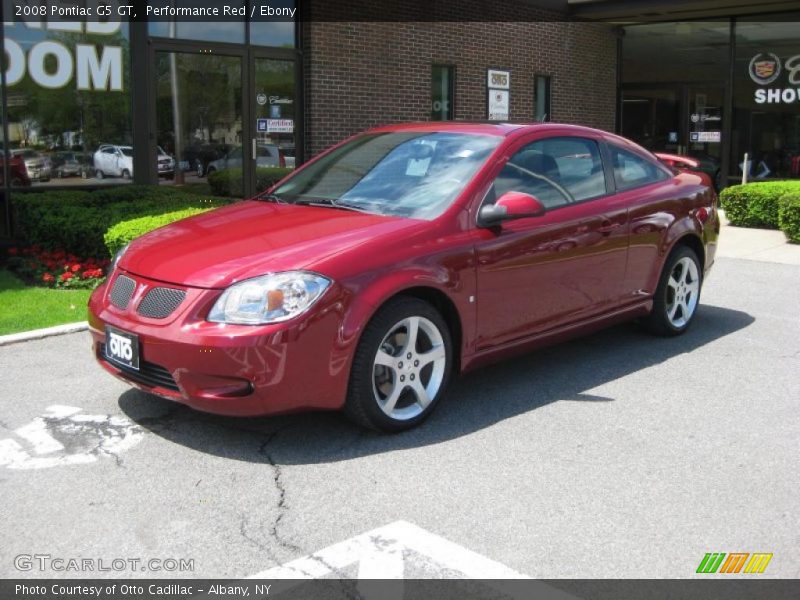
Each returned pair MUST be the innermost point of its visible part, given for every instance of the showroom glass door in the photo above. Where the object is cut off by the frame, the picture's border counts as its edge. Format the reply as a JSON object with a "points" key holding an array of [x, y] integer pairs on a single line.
{"points": [[200, 133], [704, 127], [274, 121], [652, 118], [678, 118]]}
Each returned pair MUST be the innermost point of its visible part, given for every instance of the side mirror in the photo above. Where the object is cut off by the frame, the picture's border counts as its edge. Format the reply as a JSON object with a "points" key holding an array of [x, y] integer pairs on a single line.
{"points": [[510, 206]]}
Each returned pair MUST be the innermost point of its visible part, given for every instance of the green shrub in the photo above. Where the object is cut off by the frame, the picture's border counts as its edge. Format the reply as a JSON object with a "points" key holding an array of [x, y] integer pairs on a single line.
{"points": [[75, 221], [123, 232], [230, 181], [789, 217], [756, 204]]}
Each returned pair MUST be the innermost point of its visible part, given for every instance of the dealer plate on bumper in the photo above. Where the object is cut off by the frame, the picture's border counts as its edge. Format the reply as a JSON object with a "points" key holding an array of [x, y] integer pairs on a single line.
{"points": [[122, 347]]}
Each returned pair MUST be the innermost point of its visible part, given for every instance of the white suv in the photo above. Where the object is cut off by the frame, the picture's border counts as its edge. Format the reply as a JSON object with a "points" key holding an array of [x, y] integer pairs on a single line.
{"points": [[111, 160], [114, 161]]}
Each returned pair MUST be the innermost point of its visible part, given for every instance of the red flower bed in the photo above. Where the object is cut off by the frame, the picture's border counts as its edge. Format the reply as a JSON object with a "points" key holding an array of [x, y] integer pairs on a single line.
{"points": [[56, 269]]}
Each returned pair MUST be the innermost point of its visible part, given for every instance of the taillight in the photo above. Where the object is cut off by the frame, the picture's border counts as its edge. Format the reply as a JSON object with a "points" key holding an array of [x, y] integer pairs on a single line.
{"points": [[281, 159], [701, 214]]}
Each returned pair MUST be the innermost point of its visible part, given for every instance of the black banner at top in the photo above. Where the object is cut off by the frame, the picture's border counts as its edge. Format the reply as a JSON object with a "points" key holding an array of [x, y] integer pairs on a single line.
{"points": [[55, 11]]}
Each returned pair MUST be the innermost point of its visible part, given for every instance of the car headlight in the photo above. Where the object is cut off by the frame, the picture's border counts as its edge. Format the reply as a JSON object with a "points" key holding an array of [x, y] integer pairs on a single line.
{"points": [[118, 255], [269, 299]]}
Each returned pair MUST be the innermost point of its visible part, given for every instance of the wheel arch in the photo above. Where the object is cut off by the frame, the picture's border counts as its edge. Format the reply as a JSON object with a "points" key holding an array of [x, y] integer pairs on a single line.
{"points": [[692, 241], [359, 316], [446, 307]]}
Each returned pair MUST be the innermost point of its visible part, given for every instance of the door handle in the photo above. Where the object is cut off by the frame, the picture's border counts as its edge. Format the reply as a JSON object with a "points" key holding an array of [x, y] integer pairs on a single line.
{"points": [[607, 227]]}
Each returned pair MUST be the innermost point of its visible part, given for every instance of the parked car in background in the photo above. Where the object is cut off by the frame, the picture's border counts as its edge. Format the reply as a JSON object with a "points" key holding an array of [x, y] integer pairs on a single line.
{"points": [[111, 160], [289, 155], [17, 173], [199, 156], [403, 256], [37, 165], [165, 164], [71, 164], [267, 155]]}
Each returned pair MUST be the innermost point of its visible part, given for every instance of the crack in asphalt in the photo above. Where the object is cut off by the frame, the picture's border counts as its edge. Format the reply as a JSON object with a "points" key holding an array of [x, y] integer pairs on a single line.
{"points": [[71, 433], [283, 509]]}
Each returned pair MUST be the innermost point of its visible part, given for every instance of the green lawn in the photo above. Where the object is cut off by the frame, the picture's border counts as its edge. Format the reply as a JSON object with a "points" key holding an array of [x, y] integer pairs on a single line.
{"points": [[23, 308]]}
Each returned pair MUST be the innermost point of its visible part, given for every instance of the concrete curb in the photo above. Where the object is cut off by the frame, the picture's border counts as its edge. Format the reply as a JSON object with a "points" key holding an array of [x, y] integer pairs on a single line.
{"points": [[38, 334]]}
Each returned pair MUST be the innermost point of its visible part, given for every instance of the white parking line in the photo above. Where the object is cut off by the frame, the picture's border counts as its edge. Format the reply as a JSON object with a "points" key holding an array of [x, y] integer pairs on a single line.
{"points": [[90, 436]]}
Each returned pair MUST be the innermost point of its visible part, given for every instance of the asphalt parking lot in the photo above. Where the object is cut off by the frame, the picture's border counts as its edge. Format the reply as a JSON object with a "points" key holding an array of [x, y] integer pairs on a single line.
{"points": [[616, 455]]}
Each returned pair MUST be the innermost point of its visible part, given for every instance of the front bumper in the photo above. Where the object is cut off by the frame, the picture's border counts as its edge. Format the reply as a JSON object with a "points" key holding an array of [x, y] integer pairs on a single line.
{"points": [[227, 369]]}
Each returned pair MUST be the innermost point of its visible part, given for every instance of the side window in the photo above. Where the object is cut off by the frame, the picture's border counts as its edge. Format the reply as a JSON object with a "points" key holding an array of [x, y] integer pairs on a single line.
{"points": [[557, 171], [631, 170]]}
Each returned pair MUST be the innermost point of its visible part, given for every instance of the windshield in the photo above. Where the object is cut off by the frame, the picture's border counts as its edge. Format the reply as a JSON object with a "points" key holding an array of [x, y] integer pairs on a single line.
{"points": [[415, 175]]}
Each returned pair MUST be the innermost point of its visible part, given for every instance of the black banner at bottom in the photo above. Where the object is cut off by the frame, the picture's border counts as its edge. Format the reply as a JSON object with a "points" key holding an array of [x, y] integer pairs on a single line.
{"points": [[398, 589]]}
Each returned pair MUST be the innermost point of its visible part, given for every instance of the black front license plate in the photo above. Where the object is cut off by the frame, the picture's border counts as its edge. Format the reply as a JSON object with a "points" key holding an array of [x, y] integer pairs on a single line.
{"points": [[122, 348]]}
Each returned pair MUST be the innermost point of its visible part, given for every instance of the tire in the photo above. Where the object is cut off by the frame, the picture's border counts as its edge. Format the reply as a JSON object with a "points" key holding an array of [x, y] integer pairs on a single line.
{"points": [[397, 393], [99, 174], [126, 174], [677, 295]]}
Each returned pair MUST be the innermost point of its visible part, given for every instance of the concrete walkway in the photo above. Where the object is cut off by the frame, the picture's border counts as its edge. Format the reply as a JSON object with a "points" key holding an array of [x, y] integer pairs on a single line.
{"points": [[764, 245]]}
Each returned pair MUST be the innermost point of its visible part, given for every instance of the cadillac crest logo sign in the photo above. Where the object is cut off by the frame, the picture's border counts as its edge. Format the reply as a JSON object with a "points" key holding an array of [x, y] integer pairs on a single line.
{"points": [[765, 68]]}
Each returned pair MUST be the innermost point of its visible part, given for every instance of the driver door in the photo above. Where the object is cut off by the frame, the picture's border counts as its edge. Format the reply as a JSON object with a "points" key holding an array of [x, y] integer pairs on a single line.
{"points": [[537, 274]]}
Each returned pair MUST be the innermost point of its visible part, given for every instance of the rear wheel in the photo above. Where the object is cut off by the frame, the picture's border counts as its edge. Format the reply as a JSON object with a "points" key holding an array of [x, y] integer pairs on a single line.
{"points": [[126, 174], [677, 295], [401, 368], [99, 174]]}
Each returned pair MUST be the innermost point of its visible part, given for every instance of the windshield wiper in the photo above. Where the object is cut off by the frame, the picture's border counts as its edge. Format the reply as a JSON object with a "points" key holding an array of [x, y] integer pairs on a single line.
{"points": [[330, 202], [271, 198]]}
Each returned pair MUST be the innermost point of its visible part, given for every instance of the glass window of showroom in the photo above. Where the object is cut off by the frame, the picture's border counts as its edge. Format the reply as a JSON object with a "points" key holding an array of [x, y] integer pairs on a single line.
{"points": [[68, 98]]}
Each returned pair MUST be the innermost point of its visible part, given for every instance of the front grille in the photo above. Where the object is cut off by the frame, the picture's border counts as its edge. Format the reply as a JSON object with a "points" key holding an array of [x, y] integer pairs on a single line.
{"points": [[149, 374], [122, 291], [160, 302]]}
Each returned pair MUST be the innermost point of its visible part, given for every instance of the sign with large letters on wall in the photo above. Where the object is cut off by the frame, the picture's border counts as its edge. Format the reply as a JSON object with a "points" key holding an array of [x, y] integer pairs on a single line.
{"points": [[780, 80], [53, 64]]}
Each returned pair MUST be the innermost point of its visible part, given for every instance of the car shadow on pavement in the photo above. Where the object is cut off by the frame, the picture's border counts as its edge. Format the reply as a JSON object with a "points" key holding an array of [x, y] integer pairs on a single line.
{"points": [[475, 401]]}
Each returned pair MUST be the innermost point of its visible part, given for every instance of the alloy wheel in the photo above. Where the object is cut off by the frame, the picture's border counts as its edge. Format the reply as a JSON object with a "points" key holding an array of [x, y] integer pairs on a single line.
{"points": [[409, 368], [683, 292]]}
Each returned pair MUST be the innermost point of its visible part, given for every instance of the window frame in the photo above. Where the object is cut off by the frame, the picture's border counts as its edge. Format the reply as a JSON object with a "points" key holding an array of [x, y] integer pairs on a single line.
{"points": [[602, 149], [548, 101], [610, 146], [451, 91]]}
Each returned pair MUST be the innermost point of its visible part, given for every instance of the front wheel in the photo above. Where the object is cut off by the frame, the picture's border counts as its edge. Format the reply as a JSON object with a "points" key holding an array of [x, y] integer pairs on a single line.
{"points": [[401, 367], [677, 295]]}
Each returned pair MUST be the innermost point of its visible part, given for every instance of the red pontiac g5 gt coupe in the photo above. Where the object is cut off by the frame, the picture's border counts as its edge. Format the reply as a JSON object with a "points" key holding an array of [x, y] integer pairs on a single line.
{"points": [[399, 258]]}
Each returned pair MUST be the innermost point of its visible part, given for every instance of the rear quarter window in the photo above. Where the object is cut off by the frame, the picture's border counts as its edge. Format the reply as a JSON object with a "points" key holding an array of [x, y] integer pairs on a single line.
{"points": [[632, 170]]}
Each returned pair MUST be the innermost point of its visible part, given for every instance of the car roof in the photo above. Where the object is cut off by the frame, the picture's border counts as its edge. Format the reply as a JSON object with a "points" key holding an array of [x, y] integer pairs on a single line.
{"points": [[487, 128]]}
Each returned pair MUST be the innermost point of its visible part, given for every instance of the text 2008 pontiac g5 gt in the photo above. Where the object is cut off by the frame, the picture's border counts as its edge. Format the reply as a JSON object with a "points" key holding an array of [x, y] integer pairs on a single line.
{"points": [[376, 272]]}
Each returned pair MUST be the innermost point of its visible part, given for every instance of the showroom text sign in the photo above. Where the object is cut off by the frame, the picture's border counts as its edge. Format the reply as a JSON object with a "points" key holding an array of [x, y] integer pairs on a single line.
{"points": [[52, 64], [766, 68]]}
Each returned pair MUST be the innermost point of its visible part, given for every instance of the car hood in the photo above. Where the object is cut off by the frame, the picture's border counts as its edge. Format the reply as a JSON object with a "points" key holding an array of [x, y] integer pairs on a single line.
{"points": [[248, 239]]}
